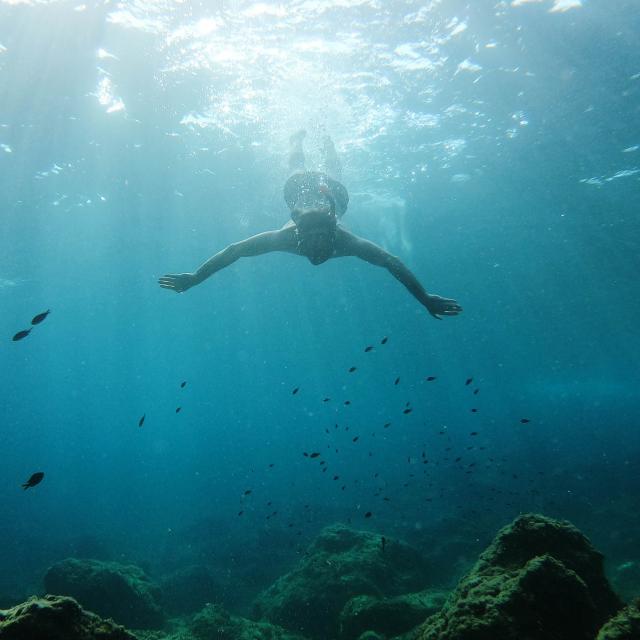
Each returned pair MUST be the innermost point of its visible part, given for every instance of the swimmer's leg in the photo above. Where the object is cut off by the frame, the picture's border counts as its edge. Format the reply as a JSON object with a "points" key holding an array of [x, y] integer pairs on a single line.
{"points": [[296, 154], [330, 160]]}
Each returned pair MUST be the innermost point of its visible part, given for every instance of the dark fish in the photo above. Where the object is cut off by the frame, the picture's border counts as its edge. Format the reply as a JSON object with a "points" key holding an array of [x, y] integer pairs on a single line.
{"points": [[295, 391], [367, 349], [183, 384], [386, 425], [352, 369], [473, 433], [21, 334], [240, 513], [368, 514], [347, 402], [247, 492], [336, 477], [397, 381], [35, 479], [315, 454], [383, 543], [305, 454], [356, 439], [384, 340], [431, 378], [475, 392], [271, 465], [468, 382], [40, 317], [406, 411], [178, 409], [524, 420], [326, 400], [474, 411], [141, 421]]}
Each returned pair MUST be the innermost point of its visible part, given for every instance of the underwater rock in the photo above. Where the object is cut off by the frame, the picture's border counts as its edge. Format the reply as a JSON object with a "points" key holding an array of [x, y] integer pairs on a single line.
{"points": [[214, 623], [388, 616], [189, 589], [339, 565], [623, 626], [121, 592], [57, 618], [625, 579], [539, 579]]}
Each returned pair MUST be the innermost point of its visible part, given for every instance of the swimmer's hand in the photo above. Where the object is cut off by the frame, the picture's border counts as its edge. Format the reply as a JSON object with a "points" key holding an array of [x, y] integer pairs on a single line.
{"points": [[438, 306], [178, 282]]}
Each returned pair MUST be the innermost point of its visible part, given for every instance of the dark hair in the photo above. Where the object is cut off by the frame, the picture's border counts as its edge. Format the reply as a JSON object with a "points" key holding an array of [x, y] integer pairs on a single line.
{"points": [[314, 218]]}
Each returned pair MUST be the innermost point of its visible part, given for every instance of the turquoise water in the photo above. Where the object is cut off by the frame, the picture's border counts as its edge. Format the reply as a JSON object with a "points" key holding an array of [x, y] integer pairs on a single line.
{"points": [[493, 147]]}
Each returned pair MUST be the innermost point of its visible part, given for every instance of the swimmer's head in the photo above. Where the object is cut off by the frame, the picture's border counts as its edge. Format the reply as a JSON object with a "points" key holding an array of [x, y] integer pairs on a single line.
{"points": [[316, 232]]}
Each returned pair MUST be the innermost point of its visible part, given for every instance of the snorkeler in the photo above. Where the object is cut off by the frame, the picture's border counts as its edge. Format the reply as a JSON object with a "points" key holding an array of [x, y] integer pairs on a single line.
{"points": [[317, 201]]}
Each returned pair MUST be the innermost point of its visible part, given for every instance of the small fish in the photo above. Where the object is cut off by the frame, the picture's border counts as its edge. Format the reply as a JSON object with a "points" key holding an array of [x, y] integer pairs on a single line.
{"points": [[368, 514], [183, 384], [35, 479], [141, 421], [305, 454], [295, 391], [397, 381], [386, 425], [40, 317], [352, 369], [21, 334], [407, 411], [326, 399], [383, 543], [468, 382], [271, 465], [473, 433], [431, 378], [178, 409], [367, 349], [355, 439], [336, 477], [347, 402], [474, 411], [247, 492], [475, 392], [240, 513], [524, 420], [384, 340], [315, 454]]}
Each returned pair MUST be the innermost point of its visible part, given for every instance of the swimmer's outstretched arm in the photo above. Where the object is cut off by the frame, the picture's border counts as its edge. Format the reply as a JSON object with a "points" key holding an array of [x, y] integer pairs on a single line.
{"points": [[280, 240], [352, 245]]}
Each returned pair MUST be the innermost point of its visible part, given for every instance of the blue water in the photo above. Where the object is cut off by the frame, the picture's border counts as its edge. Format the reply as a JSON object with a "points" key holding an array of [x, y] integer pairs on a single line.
{"points": [[494, 147]]}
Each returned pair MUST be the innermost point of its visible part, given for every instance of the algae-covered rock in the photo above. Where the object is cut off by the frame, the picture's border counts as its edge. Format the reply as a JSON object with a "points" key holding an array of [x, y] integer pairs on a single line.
{"points": [[57, 618], [214, 623], [623, 626], [122, 592], [339, 565], [539, 579], [388, 616]]}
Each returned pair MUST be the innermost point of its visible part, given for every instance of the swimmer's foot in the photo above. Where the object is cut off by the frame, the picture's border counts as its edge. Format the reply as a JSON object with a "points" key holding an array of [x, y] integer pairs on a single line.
{"points": [[297, 138]]}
